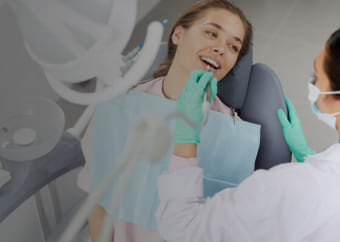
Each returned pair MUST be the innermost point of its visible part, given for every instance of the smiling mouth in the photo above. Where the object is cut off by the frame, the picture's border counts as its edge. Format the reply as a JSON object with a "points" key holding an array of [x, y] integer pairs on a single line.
{"points": [[211, 63]]}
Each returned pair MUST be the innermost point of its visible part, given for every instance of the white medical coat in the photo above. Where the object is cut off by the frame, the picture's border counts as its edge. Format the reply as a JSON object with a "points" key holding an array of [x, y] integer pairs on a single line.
{"points": [[289, 203]]}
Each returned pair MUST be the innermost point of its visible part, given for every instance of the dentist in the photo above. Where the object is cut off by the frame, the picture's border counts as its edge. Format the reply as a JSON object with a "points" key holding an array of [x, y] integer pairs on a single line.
{"points": [[290, 202]]}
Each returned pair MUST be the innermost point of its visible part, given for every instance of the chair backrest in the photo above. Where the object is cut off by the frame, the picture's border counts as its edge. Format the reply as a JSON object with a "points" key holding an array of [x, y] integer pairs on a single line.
{"points": [[264, 97], [256, 93]]}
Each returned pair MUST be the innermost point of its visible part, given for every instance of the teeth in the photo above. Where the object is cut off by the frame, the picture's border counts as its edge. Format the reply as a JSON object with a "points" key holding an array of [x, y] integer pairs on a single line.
{"points": [[212, 62]]}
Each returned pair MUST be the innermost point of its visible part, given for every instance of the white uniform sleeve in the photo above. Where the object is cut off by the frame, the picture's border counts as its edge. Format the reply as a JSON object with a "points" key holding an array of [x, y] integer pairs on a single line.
{"points": [[268, 206]]}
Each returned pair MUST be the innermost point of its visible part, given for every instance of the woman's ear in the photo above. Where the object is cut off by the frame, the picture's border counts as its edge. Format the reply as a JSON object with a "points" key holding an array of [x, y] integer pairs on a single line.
{"points": [[177, 34]]}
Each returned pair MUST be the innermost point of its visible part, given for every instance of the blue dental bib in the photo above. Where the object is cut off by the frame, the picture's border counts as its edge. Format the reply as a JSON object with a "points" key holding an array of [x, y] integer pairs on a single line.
{"points": [[227, 154]]}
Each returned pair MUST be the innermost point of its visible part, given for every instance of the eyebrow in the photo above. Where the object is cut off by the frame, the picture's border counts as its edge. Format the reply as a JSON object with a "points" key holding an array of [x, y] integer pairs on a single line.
{"points": [[221, 28]]}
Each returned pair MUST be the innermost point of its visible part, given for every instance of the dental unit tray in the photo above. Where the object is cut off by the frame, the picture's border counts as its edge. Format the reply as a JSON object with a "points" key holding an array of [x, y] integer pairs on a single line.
{"points": [[30, 127]]}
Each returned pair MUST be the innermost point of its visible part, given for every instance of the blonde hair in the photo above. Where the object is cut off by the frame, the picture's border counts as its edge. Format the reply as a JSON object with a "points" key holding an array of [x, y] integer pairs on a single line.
{"points": [[194, 12]]}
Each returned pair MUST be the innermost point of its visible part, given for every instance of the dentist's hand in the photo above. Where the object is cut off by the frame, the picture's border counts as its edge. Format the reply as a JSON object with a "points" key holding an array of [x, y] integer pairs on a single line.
{"points": [[293, 133], [190, 104]]}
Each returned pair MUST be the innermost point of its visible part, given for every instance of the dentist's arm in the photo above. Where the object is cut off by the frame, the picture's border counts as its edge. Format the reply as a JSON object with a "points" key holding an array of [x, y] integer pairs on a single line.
{"points": [[246, 213], [268, 206]]}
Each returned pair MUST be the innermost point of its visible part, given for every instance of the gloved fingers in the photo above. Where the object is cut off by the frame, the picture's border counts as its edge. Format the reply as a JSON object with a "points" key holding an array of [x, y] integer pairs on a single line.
{"points": [[213, 89], [194, 78], [283, 118], [204, 79], [293, 117]]}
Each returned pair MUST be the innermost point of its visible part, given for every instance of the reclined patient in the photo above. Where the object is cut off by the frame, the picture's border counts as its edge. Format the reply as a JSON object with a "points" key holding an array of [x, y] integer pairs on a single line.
{"points": [[210, 34]]}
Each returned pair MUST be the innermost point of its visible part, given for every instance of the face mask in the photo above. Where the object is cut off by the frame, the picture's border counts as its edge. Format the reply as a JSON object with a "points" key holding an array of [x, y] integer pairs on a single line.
{"points": [[313, 95]]}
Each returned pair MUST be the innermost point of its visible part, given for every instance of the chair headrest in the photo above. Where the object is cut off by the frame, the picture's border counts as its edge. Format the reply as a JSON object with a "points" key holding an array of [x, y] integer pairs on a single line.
{"points": [[232, 89]]}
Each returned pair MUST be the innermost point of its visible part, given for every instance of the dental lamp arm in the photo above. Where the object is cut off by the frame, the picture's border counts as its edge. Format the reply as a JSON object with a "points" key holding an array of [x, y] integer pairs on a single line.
{"points": [[293, 132], [138, 70]]}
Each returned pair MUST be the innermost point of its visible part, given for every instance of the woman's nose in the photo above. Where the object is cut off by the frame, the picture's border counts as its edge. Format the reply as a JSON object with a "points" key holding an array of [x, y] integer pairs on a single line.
{"points": [[219, 48]]}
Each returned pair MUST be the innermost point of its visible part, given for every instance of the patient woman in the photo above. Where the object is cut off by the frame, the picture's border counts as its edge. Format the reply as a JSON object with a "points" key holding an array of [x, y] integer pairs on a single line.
{"points": [[209, 32]]}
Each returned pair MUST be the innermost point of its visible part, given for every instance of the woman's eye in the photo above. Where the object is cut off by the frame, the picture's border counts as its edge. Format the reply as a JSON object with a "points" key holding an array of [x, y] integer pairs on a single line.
{"points": [[213, 34], [234, 47]]}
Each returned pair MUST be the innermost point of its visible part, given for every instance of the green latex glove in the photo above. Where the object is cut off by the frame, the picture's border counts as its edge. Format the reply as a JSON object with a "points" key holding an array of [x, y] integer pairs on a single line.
{"points": [[293, 133], [190, 104]]}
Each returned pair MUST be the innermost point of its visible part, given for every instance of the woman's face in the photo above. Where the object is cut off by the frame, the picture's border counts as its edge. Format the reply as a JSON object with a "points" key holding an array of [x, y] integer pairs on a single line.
{"points": [[215, 39], [324, 102]]}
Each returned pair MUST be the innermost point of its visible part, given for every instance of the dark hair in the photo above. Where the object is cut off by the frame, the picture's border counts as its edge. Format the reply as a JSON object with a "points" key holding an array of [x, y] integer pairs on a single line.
{"points": [[332, 61], [190, 15]]}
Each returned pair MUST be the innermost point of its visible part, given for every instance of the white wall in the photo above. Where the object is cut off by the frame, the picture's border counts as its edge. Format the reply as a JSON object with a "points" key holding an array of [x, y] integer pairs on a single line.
{"points": [[145, 6]]}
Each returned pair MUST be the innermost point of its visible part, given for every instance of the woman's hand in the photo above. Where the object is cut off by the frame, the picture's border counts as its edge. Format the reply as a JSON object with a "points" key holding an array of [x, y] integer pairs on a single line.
{"points": [[190, 104], [293, 133]]}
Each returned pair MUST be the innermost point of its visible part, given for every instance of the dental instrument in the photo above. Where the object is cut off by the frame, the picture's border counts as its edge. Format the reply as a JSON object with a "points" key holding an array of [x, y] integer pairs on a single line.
{"points": [[206, 102]]}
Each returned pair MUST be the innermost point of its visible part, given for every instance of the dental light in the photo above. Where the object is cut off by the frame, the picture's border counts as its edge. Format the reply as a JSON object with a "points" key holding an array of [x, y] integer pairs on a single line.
{"points": [[73, 41], [77, 40]]}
